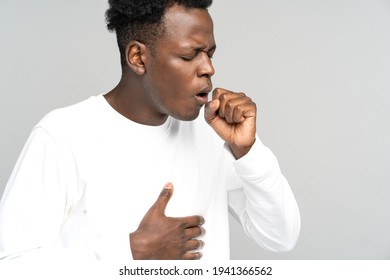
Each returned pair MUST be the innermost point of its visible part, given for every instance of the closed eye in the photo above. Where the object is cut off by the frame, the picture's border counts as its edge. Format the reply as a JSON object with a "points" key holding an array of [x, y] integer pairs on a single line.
{"points": [[189, 58], [185, 58], [195, 51]]}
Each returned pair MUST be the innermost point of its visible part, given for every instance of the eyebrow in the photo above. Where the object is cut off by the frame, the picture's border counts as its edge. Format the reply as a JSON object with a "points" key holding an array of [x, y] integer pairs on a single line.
{"points": [[202, 48]]}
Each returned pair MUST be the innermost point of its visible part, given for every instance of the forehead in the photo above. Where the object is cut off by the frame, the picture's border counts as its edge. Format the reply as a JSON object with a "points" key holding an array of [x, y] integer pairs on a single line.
{"points": [[188, 27]]}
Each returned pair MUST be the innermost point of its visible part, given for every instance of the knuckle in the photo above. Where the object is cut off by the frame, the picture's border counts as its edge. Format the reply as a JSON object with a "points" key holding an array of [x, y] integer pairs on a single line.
{"points": [[223, 97], [230, 104], [248, 99], [182, 226], [217, 92]]}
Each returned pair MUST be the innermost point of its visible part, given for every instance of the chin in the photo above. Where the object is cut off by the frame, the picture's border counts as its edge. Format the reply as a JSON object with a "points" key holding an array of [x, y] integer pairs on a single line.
{"points": [[186, 116]]}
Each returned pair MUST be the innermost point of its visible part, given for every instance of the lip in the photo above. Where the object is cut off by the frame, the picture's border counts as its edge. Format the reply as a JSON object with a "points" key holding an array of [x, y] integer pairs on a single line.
{"points": [[203, 96]]}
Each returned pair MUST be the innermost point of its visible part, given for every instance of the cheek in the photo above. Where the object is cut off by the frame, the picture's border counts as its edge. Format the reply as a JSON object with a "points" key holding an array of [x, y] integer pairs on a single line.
{"points": [[174, 79], [170, 75], [186, 70], [177, 83]]}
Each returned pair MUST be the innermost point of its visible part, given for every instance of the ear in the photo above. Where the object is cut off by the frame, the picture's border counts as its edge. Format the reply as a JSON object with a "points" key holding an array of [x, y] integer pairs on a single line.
{"points": [[135, 57]]}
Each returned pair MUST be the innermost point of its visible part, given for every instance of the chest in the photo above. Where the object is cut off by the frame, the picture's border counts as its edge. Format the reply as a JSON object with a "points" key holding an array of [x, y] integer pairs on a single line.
{"points": [[123, 182]]}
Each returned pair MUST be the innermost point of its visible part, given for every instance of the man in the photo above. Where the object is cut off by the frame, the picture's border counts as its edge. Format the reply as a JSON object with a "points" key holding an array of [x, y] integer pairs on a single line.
{"points": [[87, 179]]}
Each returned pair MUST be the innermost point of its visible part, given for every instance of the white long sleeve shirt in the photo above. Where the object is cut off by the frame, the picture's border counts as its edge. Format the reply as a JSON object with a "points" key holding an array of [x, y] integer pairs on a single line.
{"points": [[87, 176]]}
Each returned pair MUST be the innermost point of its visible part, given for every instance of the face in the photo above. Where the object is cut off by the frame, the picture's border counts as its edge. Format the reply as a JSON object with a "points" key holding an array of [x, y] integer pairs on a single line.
{"points": [[178, 72]]}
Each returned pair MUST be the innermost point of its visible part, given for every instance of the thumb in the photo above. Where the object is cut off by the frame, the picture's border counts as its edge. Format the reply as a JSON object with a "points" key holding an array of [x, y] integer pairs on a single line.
{"points": [[211, 110], [162, 201]]}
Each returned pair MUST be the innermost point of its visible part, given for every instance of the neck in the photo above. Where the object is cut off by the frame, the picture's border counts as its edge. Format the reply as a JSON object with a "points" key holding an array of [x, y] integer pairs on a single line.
{"points": [[130, 99]]}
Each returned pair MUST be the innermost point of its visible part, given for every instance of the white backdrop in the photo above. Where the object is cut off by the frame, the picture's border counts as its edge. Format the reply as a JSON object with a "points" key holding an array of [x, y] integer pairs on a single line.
{"points": [[318, 70]]}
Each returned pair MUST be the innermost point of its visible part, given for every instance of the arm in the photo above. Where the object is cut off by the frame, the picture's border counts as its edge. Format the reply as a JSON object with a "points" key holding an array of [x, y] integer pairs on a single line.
{"points": [[260, 197], [34, 204]]}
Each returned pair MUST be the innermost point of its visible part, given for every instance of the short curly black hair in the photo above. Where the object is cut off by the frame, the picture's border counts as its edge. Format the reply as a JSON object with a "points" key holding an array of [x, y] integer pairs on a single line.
{"points": [[142, 20]]}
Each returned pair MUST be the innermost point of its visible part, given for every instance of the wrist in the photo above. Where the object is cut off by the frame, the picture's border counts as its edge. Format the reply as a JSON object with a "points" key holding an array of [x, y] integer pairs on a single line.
{"points": [[239, 151]]}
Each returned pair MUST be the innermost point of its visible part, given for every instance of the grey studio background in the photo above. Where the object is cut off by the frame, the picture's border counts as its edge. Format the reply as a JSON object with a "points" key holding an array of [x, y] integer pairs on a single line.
{"points": [[318, 70]]}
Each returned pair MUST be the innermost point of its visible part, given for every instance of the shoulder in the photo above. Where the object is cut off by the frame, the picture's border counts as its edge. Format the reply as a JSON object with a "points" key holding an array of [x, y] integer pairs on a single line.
{"points": [[73, 116]]}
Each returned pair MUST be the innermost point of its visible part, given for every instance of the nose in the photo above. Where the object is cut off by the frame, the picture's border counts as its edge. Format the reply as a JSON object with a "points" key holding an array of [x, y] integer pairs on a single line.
{"points": [[206, 67]]}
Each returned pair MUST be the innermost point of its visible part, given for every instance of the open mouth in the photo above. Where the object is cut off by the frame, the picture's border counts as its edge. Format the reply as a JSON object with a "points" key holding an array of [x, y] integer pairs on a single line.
{"points": [[202, 97], [202, 94]]}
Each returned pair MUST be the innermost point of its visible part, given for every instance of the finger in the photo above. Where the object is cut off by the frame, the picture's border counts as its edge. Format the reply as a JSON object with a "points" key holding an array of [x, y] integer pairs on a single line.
{"points": [[162, 201], [192, 221], [243, 111], [225, 99], [212, 107], [211, 110], [192, 256], [194, 232], [194, 244], [221, 95], [234, 109], [217, 92]]}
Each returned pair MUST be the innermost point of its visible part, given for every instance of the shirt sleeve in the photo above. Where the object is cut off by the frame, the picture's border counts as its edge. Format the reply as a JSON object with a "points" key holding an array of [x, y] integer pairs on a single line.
{"points": [[36, 200], [261, 199]]}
